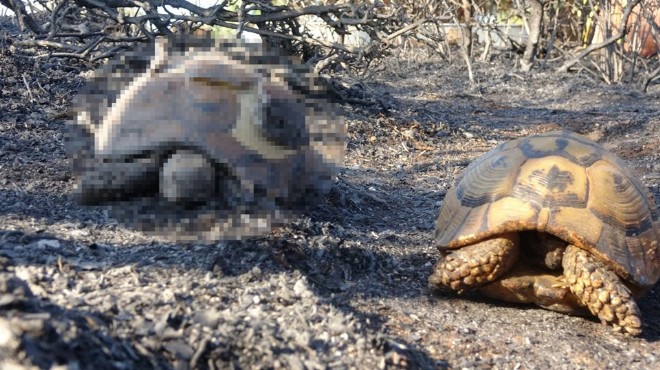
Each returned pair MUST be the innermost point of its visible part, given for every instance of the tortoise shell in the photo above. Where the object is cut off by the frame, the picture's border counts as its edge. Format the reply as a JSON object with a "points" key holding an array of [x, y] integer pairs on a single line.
{"points": [[262, 120], [564, 184]]}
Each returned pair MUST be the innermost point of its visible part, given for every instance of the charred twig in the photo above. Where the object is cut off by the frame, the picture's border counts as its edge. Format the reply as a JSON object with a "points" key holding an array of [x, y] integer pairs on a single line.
{"points": [[312, 41], [45, 43], [107, 26], [54, 18], [71, 34], [27, 86], [25, 20], [241, 19], [406, 29], [651, 76]]}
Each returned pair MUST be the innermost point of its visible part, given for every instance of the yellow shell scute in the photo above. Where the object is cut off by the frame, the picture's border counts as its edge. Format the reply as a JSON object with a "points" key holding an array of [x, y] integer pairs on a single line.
{"points": [[551, 180], [580, 221], [614, 196]]}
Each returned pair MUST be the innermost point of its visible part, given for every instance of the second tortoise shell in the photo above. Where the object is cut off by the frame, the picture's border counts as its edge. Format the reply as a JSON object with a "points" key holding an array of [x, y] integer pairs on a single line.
{"points": [[564, 184]]}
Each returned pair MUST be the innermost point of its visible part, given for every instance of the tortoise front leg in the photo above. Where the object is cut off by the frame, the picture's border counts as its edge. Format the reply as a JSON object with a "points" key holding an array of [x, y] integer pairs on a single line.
{"points": [[106, 181], [599, 289], [187, 177], [475, 265]]}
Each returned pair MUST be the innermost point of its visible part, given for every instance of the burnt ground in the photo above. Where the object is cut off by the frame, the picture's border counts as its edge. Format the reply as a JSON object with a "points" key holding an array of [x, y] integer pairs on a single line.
{"points": [[344, 286]]}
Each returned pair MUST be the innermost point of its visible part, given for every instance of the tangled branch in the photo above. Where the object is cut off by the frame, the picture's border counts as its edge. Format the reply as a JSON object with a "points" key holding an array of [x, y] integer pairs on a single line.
{"points": [[95, 29], [609, 41]]}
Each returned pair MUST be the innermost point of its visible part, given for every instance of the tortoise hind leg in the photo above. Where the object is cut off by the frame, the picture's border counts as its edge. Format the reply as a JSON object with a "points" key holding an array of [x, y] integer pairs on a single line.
{"points": [[599, 289], [475, 265], [523, 284]]}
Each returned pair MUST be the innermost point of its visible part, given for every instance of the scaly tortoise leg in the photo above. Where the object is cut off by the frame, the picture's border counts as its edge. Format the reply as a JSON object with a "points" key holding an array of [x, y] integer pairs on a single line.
{"points": [[524, 284], [187, 177], [599, 289], [475, 265]]}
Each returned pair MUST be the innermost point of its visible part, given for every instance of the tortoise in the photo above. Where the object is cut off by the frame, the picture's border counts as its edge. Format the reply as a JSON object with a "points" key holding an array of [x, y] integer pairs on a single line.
{"points": [[201, 139], [552, 219]]}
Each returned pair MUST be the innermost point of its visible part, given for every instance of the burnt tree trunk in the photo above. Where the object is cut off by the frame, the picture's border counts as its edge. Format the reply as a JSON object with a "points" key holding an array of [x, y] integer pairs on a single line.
{"points": [[25, 20], [535, 25], [468, 14]]}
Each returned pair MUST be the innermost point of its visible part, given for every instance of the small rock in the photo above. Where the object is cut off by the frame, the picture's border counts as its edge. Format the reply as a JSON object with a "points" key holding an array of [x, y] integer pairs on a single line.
{"points": [[48, 243], [208, 318], [7, 337], [409, 133], [300, 289], [179, 349]]}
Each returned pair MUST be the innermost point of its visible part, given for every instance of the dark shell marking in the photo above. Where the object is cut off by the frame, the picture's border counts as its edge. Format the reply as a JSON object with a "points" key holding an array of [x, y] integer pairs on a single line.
{"points": [[564, 184]]}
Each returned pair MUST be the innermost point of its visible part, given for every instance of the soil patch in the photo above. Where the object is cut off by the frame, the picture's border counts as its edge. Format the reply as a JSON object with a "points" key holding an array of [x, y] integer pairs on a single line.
{"points": [[344, 286]]}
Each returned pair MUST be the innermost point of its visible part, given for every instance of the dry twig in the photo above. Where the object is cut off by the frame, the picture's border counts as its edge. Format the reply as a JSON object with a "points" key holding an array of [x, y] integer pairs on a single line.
{"points": [[27, 86]]}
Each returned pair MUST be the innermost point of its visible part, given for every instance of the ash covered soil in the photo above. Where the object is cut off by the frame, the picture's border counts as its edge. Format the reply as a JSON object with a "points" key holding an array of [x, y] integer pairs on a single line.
{"points": [[343, 286]]}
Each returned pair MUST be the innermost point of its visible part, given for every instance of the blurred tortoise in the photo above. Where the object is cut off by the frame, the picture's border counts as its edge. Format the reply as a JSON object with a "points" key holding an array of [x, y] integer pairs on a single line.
{"points": [[552, 219], [197, 139]]}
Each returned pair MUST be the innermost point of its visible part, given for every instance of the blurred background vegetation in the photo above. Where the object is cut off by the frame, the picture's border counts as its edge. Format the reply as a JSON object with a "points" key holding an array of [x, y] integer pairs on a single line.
{"points": [[616, 41]]}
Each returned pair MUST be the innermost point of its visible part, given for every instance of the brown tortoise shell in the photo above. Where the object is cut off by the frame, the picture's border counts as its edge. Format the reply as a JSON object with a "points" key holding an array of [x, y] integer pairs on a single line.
{"points": [[262, 119], [564, 184]]}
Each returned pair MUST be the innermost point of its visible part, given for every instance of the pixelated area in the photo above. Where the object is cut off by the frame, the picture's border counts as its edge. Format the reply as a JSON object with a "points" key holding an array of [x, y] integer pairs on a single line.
{"points": [[195, 139]]}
